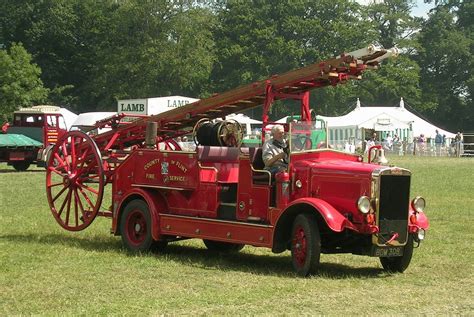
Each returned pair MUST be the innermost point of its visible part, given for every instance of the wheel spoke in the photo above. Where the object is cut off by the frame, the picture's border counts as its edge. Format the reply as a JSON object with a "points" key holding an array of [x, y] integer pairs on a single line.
{"points": [[81, 207], [56, 184], [73, 152], [86, 198], [68, 211], [76, 215], [59, 194], [65, 153], [63, 205], [61, 162], [54, 170], [83, 158], [89, 188]]}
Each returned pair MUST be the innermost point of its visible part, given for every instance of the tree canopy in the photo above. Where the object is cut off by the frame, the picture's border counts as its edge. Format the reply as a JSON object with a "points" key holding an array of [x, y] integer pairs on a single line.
{"points": [[20, 84], [90, 53]]}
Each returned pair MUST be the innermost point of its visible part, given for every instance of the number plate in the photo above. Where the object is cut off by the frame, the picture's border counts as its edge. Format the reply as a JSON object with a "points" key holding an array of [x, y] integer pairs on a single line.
{"points": [[388, 251]]}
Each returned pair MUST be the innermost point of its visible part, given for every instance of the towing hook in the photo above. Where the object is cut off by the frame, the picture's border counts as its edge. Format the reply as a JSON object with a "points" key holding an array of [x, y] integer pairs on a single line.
{"points": [[395, 235]]}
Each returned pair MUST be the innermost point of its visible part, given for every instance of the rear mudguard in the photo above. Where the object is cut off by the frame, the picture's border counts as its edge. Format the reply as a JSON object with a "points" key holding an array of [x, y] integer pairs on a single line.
{"points": [[333, 218], [155, 202]]}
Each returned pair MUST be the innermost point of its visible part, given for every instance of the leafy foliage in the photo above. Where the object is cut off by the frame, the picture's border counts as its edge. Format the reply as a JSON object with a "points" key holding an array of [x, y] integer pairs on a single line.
{"points": [[92, 53], [20, 84], [446, 60]]}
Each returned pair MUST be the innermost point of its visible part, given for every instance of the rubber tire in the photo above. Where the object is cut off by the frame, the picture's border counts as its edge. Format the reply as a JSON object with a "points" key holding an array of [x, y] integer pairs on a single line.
{"points": [[307, 223], [400, 263], [136, 208], [224, 247], [21, 166]]}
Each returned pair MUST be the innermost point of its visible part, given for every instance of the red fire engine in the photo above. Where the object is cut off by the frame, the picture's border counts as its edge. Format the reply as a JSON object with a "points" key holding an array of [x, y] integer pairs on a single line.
{"points": [[326, 202]]}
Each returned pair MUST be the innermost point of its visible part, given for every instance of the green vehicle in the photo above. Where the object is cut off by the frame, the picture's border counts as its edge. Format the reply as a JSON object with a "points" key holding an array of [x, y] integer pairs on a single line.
{"points": [[26, 140], [318, 136]]}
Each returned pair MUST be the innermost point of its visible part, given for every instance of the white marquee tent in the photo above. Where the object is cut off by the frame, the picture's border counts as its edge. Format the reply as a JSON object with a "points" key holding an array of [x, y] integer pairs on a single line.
{"points": [[246, 121], [397, 120]]}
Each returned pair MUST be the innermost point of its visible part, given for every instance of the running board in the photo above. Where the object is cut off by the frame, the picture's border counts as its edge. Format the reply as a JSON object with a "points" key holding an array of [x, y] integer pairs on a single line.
{"points": [[215, 229]]}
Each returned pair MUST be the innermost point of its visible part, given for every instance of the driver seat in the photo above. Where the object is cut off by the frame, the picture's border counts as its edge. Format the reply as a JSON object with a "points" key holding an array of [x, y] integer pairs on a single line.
{"points": [[259, 175]]}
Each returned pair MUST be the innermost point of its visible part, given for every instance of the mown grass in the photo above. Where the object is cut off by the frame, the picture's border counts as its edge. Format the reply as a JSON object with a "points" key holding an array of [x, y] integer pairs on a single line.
{"points": [[48, 271]]}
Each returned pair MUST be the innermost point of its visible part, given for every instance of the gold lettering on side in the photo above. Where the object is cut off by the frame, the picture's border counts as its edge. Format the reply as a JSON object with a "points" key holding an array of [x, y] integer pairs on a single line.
{"points": [[181, 166], [150, 176], [151, 163], [174, 178]]}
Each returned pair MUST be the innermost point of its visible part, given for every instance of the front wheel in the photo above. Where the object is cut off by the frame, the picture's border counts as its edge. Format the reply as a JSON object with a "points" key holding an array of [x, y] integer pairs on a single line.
{"points": [[21, 166], [218, 246], [305, 245], [399, 263], [135, 226]]}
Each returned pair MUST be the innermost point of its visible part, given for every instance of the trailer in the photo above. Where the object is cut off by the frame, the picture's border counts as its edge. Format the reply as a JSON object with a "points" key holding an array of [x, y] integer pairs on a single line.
{"points": [[327, 201], [32, 131]]}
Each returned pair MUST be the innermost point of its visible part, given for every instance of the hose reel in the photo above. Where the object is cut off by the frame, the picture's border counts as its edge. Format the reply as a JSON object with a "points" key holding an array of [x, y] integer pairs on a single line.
{"points": [[222, 133]]}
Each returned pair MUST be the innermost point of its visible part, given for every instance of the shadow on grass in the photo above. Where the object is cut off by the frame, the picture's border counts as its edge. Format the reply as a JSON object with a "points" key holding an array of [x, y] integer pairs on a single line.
{"points": [[13, 171], [264, 264]]}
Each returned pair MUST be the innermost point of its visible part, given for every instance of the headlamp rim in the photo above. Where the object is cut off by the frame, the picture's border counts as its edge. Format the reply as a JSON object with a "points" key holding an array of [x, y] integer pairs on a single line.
{"points": [[360, 206], [415, 204]]}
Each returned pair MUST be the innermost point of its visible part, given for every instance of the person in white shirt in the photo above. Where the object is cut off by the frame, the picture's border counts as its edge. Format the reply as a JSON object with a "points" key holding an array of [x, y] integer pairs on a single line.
{"points": [[275, 151]]}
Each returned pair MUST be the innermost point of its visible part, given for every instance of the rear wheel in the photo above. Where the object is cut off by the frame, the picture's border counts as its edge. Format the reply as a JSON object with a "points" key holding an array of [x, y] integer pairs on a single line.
{"points": [[399, 263], [135, 226], [218, 246], [305, 245], [21, 166]]}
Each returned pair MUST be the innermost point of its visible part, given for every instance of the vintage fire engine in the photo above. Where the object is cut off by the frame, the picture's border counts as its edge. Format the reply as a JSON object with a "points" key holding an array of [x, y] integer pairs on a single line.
{"points": [[326, 202]]}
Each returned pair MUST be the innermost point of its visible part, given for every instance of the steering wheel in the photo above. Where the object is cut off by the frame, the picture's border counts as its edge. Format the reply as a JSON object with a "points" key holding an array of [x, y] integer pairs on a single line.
{"points": [[302, 142], [230, 133]]}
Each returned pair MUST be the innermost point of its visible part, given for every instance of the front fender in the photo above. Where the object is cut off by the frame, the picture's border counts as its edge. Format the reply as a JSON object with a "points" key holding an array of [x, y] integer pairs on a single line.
{"points": [[333, 218], [420, 220], [155, 202]]}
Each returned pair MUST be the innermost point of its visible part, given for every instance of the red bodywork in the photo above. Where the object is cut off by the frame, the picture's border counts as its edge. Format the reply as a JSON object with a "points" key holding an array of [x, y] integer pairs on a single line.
{"points": [[183, 188]]}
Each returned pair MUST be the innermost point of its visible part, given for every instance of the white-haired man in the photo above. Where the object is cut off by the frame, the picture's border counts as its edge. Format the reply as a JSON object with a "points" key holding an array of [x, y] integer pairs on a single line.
{"points": [[274, 151]]}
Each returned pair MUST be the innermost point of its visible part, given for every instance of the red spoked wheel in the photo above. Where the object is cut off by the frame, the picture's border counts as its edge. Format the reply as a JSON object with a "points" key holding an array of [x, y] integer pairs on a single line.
{"points": [[136, 226], [75, 181], [305, 245]]}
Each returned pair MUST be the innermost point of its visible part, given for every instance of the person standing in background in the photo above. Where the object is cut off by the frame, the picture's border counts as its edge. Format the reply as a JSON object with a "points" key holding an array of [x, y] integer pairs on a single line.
{"points": [[438, 143]]}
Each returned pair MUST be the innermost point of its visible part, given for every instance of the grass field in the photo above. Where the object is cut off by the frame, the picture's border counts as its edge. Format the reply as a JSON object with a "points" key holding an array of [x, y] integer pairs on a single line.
{"points": [[48, 271]]}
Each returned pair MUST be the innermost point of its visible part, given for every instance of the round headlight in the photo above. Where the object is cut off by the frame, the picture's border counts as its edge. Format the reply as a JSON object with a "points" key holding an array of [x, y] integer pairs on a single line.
{"points": [[363, 204], [298, 184], [419, 204]]}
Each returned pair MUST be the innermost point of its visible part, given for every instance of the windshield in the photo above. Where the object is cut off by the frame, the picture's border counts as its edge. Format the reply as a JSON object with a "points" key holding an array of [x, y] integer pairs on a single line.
{"points": [[307, 136]]}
